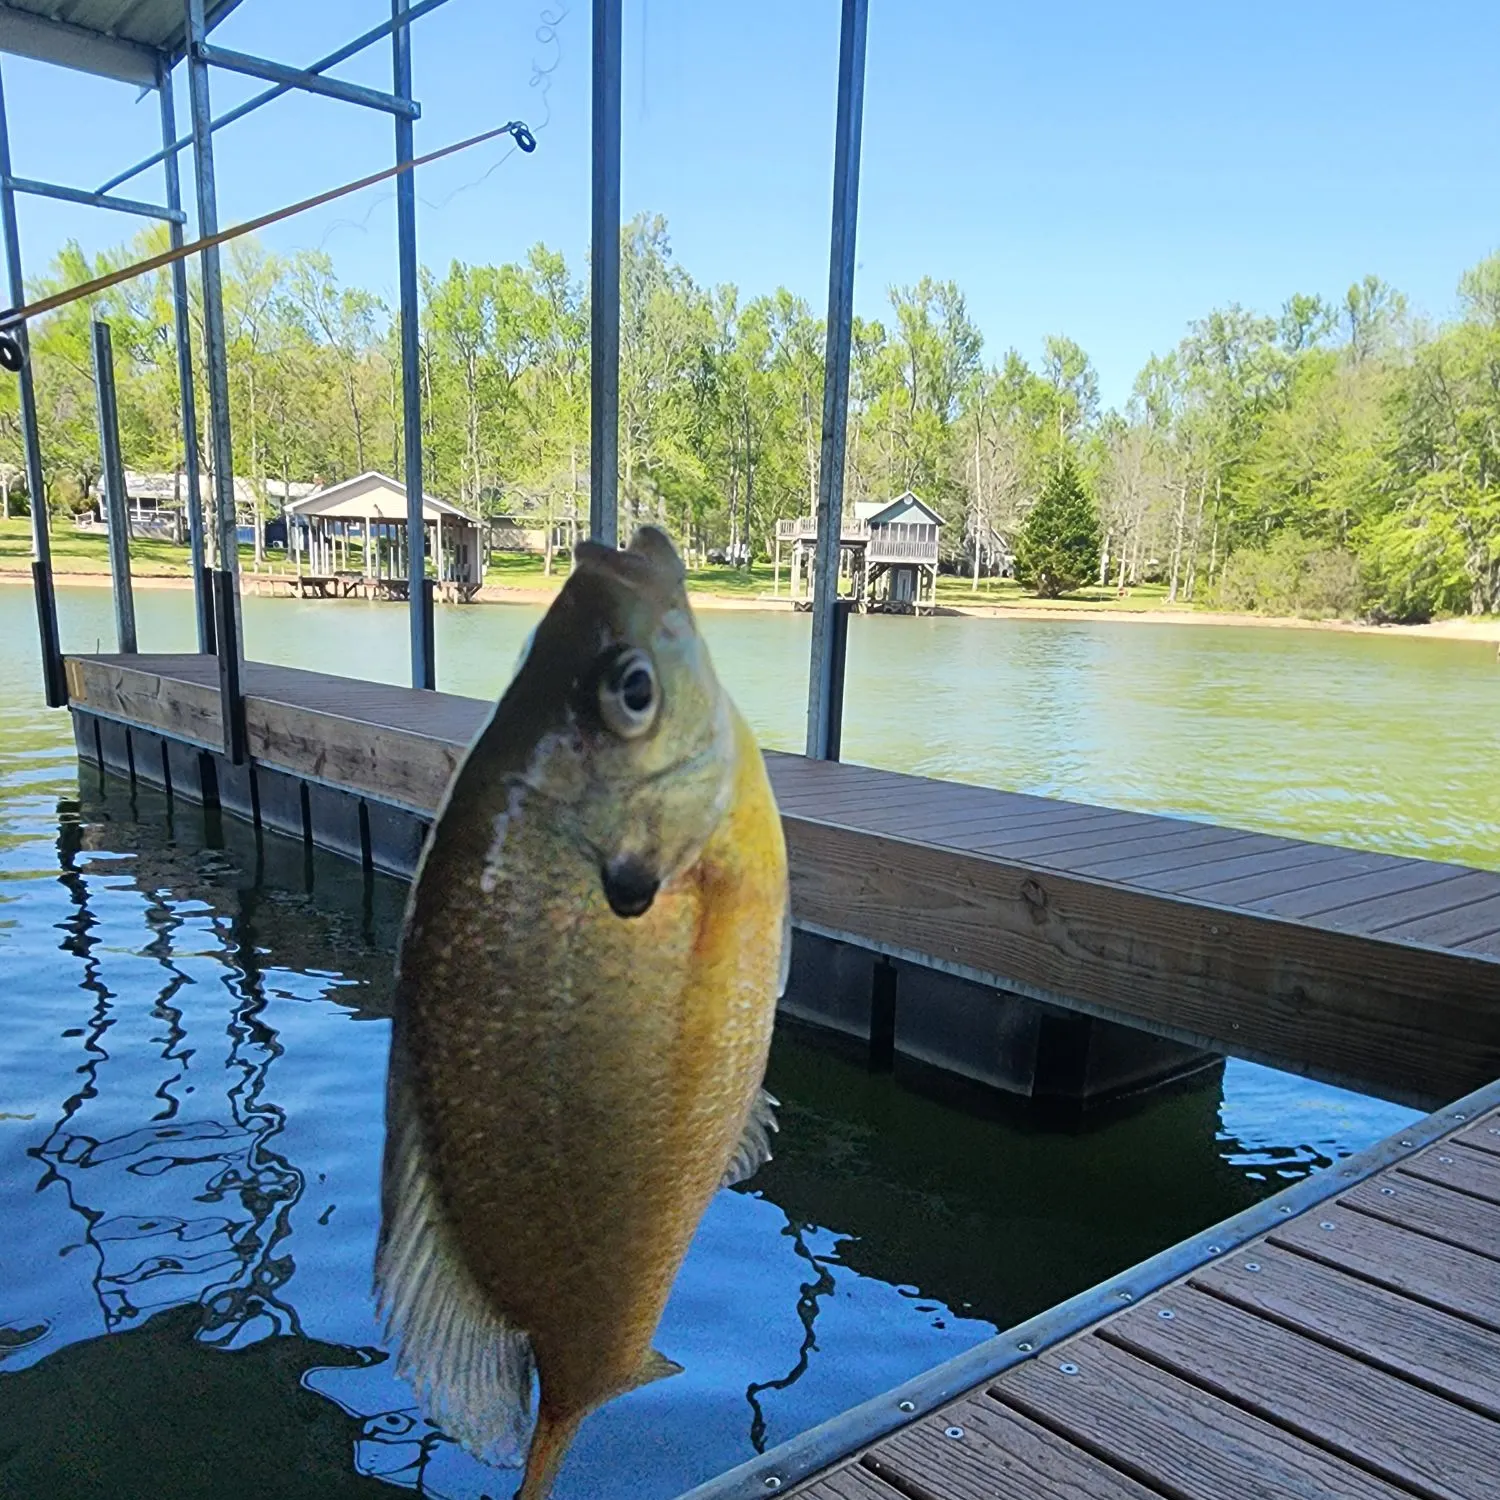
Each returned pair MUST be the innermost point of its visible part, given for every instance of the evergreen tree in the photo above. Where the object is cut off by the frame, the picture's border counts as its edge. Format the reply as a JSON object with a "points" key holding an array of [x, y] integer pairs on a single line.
{"points": [[1058, 547]]}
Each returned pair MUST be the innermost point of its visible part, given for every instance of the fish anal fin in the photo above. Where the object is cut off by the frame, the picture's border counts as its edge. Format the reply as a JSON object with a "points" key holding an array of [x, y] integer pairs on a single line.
{"points": [[656, 1366], [471, 1371], [754, 1148]]}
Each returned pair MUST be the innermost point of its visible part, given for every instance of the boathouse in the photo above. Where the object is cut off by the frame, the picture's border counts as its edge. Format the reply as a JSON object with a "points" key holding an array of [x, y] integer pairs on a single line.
{"points": [[888, 552], [363, 520]]}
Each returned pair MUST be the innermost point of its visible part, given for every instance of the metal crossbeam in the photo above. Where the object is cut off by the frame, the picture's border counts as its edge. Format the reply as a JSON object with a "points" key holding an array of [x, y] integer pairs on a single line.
{"points": [[96, 200], [301, 78], [343, 54]]}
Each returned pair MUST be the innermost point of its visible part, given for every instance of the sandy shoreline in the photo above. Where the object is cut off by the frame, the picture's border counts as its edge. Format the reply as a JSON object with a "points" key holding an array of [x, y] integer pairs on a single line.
{"points": [[1486, 628]]}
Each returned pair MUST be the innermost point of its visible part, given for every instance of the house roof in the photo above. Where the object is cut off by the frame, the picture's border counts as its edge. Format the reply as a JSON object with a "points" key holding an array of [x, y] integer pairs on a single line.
{"points": [[372, 496], [907, 508]]}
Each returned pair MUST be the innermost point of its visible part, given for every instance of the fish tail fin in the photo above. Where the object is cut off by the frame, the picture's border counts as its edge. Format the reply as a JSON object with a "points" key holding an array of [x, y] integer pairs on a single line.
{"points": [[472, 1372], [550, 1442]]}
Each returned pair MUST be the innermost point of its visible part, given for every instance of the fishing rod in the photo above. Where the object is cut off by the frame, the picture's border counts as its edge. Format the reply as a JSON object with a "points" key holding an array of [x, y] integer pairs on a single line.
{"points": [[11, 355]]}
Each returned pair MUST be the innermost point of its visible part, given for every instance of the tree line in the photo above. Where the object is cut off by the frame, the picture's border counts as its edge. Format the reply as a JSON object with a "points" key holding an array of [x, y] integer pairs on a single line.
{"points": [[1338, 456]]}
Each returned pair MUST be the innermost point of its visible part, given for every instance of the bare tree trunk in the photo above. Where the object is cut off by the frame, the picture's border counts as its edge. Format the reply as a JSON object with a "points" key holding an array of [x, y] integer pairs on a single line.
{"points": [[978, 507], [1192, 572], [1178, 527]]}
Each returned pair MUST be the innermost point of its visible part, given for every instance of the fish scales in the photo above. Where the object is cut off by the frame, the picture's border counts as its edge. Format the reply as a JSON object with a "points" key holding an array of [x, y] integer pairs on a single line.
{"points": [[588, 979]]}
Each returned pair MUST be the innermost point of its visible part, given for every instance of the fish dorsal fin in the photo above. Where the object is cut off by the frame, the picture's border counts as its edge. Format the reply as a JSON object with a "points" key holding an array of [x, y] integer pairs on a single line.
{"points": [[655, 1366], [471, 1371], [754, 1149]]}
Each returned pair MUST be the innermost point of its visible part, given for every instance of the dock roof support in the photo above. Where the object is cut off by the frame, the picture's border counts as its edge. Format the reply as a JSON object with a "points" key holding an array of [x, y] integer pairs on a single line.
{"points": [[419, 595], [825, 676], [226, 583], [604, 288], [171, 145], [53, 681], [112, 470], [203, 606]]}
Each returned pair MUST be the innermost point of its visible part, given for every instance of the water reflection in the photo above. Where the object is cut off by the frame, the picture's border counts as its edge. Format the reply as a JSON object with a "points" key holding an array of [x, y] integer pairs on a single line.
{"points": [[190, 1133]]}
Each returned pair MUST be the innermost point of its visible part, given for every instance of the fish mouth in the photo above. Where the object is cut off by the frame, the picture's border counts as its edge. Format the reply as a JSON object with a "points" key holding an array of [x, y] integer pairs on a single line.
{"points": [[630, 885]]}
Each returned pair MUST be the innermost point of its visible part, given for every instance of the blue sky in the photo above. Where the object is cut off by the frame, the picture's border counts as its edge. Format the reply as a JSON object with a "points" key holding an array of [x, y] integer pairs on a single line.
{"points": [[1100, 170]]}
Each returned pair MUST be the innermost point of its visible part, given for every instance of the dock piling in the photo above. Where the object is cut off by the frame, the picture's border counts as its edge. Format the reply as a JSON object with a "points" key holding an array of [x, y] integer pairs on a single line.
{"points": [[825, 676], [604, 280]]}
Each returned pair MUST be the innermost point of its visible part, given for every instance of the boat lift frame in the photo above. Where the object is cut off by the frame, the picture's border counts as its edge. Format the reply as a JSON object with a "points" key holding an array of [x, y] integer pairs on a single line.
{"points": [[216, 590]]}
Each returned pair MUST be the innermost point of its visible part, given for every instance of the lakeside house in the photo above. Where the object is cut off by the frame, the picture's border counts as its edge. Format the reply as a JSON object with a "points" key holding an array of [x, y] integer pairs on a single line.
{"points": [[888, 550], [156, 503]]}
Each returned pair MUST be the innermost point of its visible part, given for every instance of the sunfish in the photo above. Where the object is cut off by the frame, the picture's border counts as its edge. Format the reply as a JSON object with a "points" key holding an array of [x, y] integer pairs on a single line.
{"points": [[588, 975]]}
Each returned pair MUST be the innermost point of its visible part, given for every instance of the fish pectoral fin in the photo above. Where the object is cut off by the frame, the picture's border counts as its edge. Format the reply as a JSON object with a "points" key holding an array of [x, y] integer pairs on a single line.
{"points": [[656, 1366], [471, 1370], [754, 1149]]}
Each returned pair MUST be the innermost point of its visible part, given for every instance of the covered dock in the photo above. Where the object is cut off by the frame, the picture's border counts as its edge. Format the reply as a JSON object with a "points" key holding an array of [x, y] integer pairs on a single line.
{"points": [[352, 538]]}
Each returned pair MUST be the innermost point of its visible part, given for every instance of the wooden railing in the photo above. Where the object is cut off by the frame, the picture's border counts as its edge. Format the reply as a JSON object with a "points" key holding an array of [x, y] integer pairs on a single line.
{"points": [[901, 549], [806, 527]]}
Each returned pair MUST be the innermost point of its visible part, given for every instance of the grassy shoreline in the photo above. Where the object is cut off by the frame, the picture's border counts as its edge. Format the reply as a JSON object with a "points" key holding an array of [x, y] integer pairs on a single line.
{"points": [[82, 559]]}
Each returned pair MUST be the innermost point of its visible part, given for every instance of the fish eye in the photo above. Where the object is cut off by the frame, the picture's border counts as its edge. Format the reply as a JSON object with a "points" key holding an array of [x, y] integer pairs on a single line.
{"points": [[628, 696]]}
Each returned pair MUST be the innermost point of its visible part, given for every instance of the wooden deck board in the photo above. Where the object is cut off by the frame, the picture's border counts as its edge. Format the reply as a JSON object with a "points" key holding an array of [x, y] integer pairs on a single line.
{"points": [[1452, 897], [1399, 878], [1337, 1356], [1471, 1172], [852, 1482], [1454, 1218], [1484, 1136], [1424, 1270], [1340, 1403], [1173, 1434], [1434, 1349], [1000, 1456]]}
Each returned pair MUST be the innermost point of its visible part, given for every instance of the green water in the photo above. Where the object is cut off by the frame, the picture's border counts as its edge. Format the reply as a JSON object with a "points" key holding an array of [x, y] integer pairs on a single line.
{"points": [[197, 1021]]}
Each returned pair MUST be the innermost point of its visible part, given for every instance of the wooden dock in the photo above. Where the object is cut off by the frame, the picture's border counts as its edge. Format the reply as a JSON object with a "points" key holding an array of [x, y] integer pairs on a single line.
{"points": [[1371, 970], [1340, 1341]]}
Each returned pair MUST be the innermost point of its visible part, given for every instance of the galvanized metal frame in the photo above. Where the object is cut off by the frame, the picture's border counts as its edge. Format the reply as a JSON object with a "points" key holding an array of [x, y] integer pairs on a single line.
{"points": [[54, 685], [216, 591], [96, 200], [843, 1436], [117, 503], [203, 605], [826, 669], [604, 280], [302, 78], [171, 145], [227, 627], [418, 591]]}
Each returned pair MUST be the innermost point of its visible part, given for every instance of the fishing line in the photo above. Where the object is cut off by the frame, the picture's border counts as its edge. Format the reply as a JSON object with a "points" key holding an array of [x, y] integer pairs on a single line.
{"points": [[546, 33], [11, 357]]}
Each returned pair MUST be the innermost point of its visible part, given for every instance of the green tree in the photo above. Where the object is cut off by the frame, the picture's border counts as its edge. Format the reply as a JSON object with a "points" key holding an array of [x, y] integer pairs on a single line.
{"points": [[1058, 547]]}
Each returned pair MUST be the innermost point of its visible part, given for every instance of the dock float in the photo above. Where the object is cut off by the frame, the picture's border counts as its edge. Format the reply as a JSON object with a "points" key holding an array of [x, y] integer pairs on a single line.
{"points": [[1340, 1340], [1369, 970]]}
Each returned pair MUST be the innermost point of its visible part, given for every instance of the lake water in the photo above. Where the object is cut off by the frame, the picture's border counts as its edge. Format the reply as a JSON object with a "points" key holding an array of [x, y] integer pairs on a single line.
{"points": [[196, 1023]]}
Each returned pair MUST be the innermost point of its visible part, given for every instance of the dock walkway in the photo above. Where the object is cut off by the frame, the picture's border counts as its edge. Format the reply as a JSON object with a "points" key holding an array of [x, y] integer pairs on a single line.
{"points": [[1352, 1352], [1372, 970]]}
